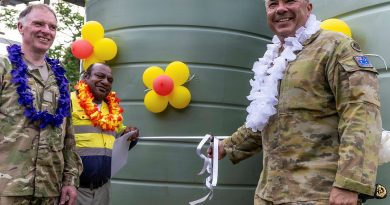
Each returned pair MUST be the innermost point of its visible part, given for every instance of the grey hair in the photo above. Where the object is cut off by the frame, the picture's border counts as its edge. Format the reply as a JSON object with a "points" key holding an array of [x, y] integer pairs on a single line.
{"points": [[265, 2], [30, 7]]}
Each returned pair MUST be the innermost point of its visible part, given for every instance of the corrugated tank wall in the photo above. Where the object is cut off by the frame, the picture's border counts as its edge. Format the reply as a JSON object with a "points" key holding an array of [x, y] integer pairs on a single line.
{"points": [[219, 40], [369, 22]]}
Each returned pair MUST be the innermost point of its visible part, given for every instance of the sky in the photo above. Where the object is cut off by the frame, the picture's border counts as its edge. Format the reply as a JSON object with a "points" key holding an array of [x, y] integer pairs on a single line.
{"points": [[15, 36]]}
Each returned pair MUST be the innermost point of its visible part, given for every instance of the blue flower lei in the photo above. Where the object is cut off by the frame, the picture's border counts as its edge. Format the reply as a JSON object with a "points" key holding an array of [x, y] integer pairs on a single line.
{"points": [[26, 98]]}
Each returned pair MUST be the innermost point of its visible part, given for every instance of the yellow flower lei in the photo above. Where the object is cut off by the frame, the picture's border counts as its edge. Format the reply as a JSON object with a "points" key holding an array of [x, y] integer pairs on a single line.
{"points": [[109, 121]]}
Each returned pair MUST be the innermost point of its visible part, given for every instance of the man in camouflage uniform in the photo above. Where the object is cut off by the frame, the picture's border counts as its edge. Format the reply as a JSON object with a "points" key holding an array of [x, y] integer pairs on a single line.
{"points": [[37, 165], [321, 147]]}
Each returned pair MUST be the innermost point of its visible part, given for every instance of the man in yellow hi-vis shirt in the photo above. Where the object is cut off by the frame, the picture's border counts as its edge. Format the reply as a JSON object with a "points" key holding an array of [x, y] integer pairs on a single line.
{"points": [[97, 121]]}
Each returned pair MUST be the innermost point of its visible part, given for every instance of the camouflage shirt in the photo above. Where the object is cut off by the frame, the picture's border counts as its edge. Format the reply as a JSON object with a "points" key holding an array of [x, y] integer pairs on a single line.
{"points": [[327, 128], [34, 161]]}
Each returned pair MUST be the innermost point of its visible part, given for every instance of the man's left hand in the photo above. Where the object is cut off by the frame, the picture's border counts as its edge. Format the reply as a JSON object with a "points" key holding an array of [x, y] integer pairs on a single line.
{"points": [[133, 137], [342, 197], [68, 195]]}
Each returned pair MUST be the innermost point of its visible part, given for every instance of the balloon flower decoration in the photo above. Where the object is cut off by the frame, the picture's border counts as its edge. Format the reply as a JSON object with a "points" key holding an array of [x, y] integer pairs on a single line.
{"points": [[336, 25], [166, 87], [93, 47]]}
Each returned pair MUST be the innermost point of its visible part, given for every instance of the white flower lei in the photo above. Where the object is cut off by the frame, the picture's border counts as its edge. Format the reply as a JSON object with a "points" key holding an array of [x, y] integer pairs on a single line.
{"points": [[269, 69]]}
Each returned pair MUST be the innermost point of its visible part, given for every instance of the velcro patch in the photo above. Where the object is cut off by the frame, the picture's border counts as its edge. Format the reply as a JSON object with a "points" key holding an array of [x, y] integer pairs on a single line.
{"points": [[363, 62], [356, 46]]}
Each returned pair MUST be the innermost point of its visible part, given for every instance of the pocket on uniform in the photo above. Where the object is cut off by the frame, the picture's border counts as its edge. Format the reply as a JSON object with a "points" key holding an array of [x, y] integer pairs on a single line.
{"points": [[353, 68], [56, 141], [79, 115]]}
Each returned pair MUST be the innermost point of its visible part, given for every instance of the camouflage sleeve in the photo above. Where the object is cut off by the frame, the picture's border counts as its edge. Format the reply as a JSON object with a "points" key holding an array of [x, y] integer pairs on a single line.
{"points": [[356, 90], [2, 71], [73, 164], [242, 144]]}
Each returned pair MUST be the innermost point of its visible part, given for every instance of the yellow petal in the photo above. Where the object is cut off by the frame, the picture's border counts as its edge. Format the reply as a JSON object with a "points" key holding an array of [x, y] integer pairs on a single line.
{"points": [[92, 31], [150, 74], [154, 102], [91, 60], [337, 25], [105, 49], [178, 71], [180, 97]]}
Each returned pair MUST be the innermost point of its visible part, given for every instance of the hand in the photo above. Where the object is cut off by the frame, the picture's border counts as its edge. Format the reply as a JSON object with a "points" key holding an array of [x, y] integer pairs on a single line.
{"points": [[342, 197], [221, 151], [68, 195], [133, 137]]}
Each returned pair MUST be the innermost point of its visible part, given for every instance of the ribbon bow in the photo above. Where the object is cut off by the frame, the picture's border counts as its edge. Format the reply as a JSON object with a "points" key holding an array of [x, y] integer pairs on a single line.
{"points": [[210, 165]]}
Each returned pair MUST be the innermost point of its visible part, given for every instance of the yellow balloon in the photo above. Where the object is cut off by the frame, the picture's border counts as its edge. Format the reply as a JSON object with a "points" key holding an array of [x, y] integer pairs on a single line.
{"points": [[154, 102], [150, 74], [178, 71], [92, 31], [180, 97], [91, 60], [105, 49], [336, 25]]}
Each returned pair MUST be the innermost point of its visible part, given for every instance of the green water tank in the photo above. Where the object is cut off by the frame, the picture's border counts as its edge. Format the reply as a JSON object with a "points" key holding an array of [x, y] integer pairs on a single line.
{"points": [[219, 40]]}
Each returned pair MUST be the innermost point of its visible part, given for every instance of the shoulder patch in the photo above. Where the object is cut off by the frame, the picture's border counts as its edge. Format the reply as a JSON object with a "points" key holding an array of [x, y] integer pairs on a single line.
{"points": [[356, 46], [363, 62]]}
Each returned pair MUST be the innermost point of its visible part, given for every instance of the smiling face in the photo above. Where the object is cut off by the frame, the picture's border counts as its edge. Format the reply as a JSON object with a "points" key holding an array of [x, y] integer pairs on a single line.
{"points": [[38, 30], [285, 17], [99, 79]]}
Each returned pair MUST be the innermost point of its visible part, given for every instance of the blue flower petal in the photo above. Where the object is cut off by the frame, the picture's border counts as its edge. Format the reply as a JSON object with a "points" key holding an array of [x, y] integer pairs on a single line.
{"points": [[26, 98]]}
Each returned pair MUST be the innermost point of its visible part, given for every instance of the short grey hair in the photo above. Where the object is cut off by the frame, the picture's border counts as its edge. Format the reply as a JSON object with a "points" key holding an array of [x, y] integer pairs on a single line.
{"points": [[30, 7], [265, 2]]}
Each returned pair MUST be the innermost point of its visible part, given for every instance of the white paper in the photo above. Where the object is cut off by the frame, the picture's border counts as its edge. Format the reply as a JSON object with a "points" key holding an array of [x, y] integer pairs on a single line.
{"points": [[120, 152]]}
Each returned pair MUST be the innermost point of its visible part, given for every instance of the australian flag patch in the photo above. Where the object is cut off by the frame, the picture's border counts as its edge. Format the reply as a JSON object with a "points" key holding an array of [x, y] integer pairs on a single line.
{"points": [[363, 62]]}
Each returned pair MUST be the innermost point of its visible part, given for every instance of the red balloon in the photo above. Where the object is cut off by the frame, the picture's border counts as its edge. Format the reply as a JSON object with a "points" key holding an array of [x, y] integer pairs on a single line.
{"points": [[163, 85], [81, 49]]}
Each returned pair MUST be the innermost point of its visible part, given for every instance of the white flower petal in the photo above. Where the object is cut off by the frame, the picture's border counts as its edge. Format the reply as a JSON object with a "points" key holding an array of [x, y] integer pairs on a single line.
{"points": [[268, 70]]}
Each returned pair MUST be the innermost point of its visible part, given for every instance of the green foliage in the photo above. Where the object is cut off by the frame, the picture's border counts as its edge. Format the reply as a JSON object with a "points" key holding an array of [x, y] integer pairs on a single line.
{"points": [[9, 17], [69, 22]]}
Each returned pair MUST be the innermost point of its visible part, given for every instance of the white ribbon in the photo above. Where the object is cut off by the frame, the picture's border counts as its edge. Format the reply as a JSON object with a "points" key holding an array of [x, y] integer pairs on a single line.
{"points": [[169, 138], [384, 149], [210, 165]]}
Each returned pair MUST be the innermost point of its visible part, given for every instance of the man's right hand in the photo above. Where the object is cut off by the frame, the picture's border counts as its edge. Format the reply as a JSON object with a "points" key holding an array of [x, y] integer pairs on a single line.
{"points": [[221, 151], [133, 137], [68, 195], [340, 196]]}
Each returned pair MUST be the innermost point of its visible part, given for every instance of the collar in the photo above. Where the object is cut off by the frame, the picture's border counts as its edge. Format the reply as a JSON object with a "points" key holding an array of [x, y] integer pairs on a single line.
{"points": [[312, 38]]}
